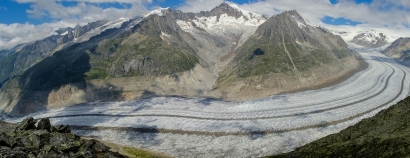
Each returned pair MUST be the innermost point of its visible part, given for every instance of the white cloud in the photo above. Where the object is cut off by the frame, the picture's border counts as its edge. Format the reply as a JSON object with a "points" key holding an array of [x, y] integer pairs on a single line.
{"points": [[55, 10], [381, 15], [199, 5], [13, 34], [82, 12], [91, 1]]}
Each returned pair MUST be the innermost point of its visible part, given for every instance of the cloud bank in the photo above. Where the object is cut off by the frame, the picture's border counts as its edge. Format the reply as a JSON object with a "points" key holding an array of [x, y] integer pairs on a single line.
{"points": [[83, 12]]}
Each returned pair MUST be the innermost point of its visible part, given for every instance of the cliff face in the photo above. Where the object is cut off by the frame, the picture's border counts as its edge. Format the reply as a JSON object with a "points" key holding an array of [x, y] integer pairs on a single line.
{"points": [[385, 135], [205, 54], [400, 50]]}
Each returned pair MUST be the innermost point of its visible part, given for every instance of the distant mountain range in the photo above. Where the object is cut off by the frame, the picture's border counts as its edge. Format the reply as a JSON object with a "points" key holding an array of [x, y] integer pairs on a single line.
{"points": [[227, 53], [372, 39]]}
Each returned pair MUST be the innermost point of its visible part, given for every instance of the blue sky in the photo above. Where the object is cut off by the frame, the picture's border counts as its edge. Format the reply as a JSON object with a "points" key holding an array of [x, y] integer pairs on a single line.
{"points": [[12, 11], [24, 21]]}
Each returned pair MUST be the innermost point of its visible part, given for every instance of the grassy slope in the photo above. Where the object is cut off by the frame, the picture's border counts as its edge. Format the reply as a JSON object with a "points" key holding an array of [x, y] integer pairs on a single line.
{"points": [[385, 135], [133, 152]]}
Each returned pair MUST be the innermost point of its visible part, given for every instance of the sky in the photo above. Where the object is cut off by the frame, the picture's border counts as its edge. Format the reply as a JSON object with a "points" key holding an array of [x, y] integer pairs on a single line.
{"points": [[23, 21]]}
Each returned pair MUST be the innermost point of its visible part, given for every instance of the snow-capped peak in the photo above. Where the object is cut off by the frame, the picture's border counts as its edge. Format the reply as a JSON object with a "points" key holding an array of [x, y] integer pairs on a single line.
{"points": [[246, 13], [371, 39], [371, 36], [157, 11]]}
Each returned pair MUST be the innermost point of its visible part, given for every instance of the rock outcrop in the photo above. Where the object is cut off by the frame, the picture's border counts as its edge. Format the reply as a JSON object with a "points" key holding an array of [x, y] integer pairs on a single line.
{"points": [[44, 140]]}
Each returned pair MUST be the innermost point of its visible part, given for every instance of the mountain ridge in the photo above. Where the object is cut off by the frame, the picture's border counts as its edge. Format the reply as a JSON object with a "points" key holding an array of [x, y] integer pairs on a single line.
{"points": [[169, 52]]}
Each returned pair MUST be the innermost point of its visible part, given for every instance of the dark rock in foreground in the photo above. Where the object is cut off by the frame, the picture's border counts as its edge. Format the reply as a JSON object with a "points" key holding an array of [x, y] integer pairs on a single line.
{"points": [[44, 140], [385, 135]]}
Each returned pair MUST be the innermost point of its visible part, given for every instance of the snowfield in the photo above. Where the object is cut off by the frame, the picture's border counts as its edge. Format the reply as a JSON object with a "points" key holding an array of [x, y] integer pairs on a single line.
{"points": [[198, 127]]}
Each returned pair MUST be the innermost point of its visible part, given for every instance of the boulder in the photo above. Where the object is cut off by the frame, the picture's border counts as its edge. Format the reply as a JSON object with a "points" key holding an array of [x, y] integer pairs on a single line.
{"points": [[27, 124], [45, 141], [44, 124]]}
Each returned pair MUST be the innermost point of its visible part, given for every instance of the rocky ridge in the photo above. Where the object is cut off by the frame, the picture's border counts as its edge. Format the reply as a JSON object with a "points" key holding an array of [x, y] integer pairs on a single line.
{"points": [[21, 57], [399, 50], [44, 140]]}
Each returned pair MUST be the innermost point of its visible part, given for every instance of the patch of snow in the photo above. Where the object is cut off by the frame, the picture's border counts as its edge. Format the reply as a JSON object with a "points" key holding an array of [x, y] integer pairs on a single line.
{"points": [[156, 11], [371, 37], [300, 21], [109, 25], [246, 13], [65, 33], [164, 35]]}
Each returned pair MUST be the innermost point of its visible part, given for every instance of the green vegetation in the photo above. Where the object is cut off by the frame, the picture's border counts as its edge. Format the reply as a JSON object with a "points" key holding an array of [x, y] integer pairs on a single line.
{"points": [[274, 59], [385, 135], [96, 73], [139, 153], [144, 56]]}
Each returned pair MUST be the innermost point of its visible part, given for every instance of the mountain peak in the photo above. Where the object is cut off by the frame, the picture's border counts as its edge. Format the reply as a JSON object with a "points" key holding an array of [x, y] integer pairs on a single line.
{"points": [[371, 39], [234, 10], [298, 18]]}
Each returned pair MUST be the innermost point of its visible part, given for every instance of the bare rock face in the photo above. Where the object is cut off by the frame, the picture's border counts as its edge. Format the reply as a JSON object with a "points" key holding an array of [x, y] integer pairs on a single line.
{"points": [[370, 39], [400, 50], [45, 140]]}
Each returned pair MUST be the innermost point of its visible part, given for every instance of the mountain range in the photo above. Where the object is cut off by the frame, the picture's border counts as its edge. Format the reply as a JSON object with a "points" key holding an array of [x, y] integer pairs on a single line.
{"points": [[226, 53]]}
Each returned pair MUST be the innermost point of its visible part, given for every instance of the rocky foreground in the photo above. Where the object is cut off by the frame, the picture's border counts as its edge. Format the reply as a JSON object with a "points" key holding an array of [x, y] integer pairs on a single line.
{"points": [[385, 135], [28, 140]]}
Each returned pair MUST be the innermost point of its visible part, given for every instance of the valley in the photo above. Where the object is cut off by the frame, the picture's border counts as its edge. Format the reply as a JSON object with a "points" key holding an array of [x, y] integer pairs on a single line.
{"points": [[198, 127], [220, 82]]}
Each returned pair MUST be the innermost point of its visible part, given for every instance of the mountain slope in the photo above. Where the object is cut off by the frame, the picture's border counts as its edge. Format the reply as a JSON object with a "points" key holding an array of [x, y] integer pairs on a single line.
{"points": [[385, 135], [400, 50], [285, 54], [26, 55]]}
